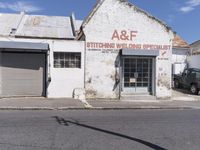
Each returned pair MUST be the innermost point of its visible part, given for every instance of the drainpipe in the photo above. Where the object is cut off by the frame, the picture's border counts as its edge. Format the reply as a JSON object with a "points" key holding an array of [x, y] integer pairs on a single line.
{"points": [[15, 28], [73, 24]]}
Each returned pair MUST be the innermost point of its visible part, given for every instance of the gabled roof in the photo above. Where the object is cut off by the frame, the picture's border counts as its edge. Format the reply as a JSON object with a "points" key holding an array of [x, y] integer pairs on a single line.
{"points": [[196, 43], [178, 42], [92, 12], [100, 2]]}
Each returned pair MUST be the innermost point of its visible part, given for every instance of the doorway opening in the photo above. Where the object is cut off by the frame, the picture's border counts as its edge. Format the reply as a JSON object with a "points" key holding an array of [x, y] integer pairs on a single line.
{"points": [[137, 75]]}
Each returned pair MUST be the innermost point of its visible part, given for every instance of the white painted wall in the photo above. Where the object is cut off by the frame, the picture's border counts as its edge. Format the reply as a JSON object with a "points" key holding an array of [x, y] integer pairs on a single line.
{"points": [[100, 67], [179, 60], [63, 80], [178, 68], [176, 58], [194, 61]]}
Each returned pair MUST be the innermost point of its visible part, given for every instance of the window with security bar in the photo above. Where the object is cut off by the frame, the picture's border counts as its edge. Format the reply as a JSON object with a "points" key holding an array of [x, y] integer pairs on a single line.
{"points": [[67, 60]]}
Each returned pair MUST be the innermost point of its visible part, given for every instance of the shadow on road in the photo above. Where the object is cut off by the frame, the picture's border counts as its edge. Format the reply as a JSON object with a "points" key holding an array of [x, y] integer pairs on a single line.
{"points": [[64, 122]]}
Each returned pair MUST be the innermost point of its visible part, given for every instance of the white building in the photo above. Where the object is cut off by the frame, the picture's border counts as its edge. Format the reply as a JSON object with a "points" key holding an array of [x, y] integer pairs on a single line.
{"points": [[119, 50], [34, 51], [180, 53], [194, 59]]}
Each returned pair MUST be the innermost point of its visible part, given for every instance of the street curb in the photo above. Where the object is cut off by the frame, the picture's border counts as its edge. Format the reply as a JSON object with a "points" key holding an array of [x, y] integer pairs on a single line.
{"points": [[40, 108], [144, 108], [97, 108]]}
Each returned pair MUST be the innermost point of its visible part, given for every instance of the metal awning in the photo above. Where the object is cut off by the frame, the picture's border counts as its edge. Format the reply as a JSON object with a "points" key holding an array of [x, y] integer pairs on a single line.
{"points": [[24, 45], [133, 52]]}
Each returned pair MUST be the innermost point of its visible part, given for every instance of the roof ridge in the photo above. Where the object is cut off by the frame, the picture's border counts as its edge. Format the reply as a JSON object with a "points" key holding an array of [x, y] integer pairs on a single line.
{"points": [[195, 42], [100, 2], [149, 15], [92, 12]]}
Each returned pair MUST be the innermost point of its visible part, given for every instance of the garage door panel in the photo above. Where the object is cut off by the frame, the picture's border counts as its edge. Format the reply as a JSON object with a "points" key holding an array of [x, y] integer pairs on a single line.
{"points": [[23, 74]]}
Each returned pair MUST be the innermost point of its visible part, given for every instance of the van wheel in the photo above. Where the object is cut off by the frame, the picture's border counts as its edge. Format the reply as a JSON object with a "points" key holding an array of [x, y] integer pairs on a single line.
{"points": [[176, 84], [194, 89]]}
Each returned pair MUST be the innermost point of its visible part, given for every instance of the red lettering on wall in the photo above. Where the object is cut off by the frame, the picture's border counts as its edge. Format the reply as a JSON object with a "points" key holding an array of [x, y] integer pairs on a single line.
{"points": [[115, 35], [124, 35], [133, 35]]}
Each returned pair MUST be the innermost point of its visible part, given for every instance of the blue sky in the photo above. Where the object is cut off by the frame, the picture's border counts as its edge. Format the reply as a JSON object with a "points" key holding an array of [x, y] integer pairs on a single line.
{"points": [[182, 15]]}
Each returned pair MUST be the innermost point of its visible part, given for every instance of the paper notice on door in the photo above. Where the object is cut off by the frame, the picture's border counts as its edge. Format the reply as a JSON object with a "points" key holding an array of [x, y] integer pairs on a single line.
{"points": [[132, 80]]}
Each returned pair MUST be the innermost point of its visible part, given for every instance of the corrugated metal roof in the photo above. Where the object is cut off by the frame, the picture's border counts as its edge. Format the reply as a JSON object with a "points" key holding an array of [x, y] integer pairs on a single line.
{"points": [[7, 22], [45, 27], [178, 42], [37, 26]]}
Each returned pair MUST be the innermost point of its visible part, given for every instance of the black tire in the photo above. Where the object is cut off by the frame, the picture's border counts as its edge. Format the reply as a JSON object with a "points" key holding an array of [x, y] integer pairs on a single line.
{"points": [[176, 84], [194, 89]]}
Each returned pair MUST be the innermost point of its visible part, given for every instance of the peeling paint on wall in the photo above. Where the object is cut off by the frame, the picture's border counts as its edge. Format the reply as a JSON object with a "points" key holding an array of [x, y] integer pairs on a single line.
{"points": [[91, 93], [103, 60], [164, 82]]}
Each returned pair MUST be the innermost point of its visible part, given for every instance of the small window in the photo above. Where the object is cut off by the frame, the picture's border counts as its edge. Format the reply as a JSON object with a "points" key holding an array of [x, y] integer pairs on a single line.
{"points": [[67, 60]]}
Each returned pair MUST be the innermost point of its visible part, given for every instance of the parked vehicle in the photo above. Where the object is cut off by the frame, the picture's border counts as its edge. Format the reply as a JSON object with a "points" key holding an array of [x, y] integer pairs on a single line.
{"points": [[190, 79]]}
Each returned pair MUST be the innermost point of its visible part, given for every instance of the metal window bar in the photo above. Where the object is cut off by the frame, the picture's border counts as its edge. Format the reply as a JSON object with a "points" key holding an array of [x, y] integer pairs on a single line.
{"points": [[67, 60]]}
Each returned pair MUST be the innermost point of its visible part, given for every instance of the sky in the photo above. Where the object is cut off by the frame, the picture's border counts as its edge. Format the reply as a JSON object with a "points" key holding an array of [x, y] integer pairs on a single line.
{"points": [[182, 15]]}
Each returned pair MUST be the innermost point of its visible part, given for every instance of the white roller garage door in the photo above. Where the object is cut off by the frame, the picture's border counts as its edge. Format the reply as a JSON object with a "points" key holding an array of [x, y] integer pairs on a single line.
{"points": [[23, 74]]}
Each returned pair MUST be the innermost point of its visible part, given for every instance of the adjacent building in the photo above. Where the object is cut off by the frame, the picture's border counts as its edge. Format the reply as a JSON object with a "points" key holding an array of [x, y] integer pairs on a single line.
{"points": [[194, 59], [40, 56], [195, 48], [180, 53]]}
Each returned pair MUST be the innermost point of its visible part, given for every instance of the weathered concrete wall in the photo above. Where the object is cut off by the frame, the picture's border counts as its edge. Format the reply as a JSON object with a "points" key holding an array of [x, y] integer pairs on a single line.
{"points": [[101, 63], [63, 80]]}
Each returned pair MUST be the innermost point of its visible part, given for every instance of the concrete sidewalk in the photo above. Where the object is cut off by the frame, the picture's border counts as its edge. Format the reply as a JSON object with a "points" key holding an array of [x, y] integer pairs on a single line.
{"points": [[65, 104], [31, 103]]}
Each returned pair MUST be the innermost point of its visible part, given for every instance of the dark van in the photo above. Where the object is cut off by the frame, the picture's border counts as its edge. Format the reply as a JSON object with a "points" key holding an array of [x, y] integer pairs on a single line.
{"points": [[190, 79]]}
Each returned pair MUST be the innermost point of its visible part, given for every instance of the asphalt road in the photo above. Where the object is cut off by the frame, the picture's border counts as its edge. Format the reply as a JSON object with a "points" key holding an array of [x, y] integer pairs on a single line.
{"points": [[100, 130]]}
